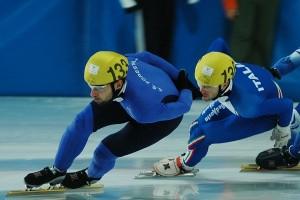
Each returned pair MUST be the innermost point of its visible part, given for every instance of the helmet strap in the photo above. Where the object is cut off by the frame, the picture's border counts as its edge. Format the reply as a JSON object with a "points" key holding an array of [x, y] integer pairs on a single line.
{"points": [[220, 92], [114, 91], [225, 91]]}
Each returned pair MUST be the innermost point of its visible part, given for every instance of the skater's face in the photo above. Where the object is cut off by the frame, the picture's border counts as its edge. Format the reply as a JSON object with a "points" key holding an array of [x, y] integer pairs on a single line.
{"points": [[101, 94], [104, 93], [209, 92]]}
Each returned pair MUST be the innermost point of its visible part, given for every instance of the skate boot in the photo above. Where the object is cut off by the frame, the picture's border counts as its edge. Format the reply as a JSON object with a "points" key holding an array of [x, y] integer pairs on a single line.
{"points": [[78, 179], [290, 161], [276, 157], [46, 175], [171, 166]]}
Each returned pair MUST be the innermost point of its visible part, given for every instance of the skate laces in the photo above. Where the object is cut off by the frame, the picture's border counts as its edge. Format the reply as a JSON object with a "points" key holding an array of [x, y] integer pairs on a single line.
{"points": [[81, 175], [43, 172], [78, 179]]}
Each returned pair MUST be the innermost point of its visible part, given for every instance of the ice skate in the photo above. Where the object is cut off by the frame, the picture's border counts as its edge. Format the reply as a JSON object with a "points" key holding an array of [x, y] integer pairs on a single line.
{"points": [[276, 158], [78, 179], [46, 175]]}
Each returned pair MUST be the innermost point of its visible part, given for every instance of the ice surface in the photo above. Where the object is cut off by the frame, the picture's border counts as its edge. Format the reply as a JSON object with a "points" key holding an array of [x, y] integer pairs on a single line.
{"points": [[30, 129]]}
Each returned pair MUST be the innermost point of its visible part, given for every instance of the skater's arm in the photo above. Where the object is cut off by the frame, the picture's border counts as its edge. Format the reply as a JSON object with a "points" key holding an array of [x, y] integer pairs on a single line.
{"points": [[287, 64], [177, 108], [74, 139], [157, 61]]}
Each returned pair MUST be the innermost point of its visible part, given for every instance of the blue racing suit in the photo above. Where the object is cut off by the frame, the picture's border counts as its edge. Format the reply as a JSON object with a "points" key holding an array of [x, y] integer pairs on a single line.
{"points": [[254, 105], [150, 105]]}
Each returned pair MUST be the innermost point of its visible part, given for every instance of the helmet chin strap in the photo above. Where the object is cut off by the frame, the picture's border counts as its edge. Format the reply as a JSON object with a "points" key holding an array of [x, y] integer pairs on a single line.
{"points": [[115, 92], [226, 91]]}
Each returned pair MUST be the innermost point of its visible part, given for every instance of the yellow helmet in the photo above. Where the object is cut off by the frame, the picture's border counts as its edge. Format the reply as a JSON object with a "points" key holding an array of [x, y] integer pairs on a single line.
{"points": [[214, 69], [105, 67]]}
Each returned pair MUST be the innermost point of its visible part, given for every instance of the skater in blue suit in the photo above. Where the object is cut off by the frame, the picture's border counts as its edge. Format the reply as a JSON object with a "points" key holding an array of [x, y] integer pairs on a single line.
{"points": [[142, 90], [245, 101]]}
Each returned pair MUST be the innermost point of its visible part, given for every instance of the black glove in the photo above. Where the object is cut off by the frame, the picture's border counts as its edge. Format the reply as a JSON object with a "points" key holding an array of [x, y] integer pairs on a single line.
{"points": [[274, 72], [183, 82], [195, 90]]}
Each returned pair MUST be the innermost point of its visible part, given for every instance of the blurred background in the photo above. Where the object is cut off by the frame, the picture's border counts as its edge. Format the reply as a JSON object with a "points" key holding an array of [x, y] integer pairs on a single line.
{"points": [[44, 44]]}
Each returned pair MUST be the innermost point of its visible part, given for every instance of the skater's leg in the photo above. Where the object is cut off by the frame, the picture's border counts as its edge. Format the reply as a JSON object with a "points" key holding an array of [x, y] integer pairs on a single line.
{"points": [[133, 137]]}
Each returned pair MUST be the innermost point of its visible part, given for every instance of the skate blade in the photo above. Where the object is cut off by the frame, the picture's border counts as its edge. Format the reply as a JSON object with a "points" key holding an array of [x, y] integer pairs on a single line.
{"points": [[255, 168], [94, 188], [153, 174]]}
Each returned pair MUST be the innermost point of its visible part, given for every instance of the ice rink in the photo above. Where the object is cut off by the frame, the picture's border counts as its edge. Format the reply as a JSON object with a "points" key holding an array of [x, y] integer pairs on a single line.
{"points": [[30, 130]]}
